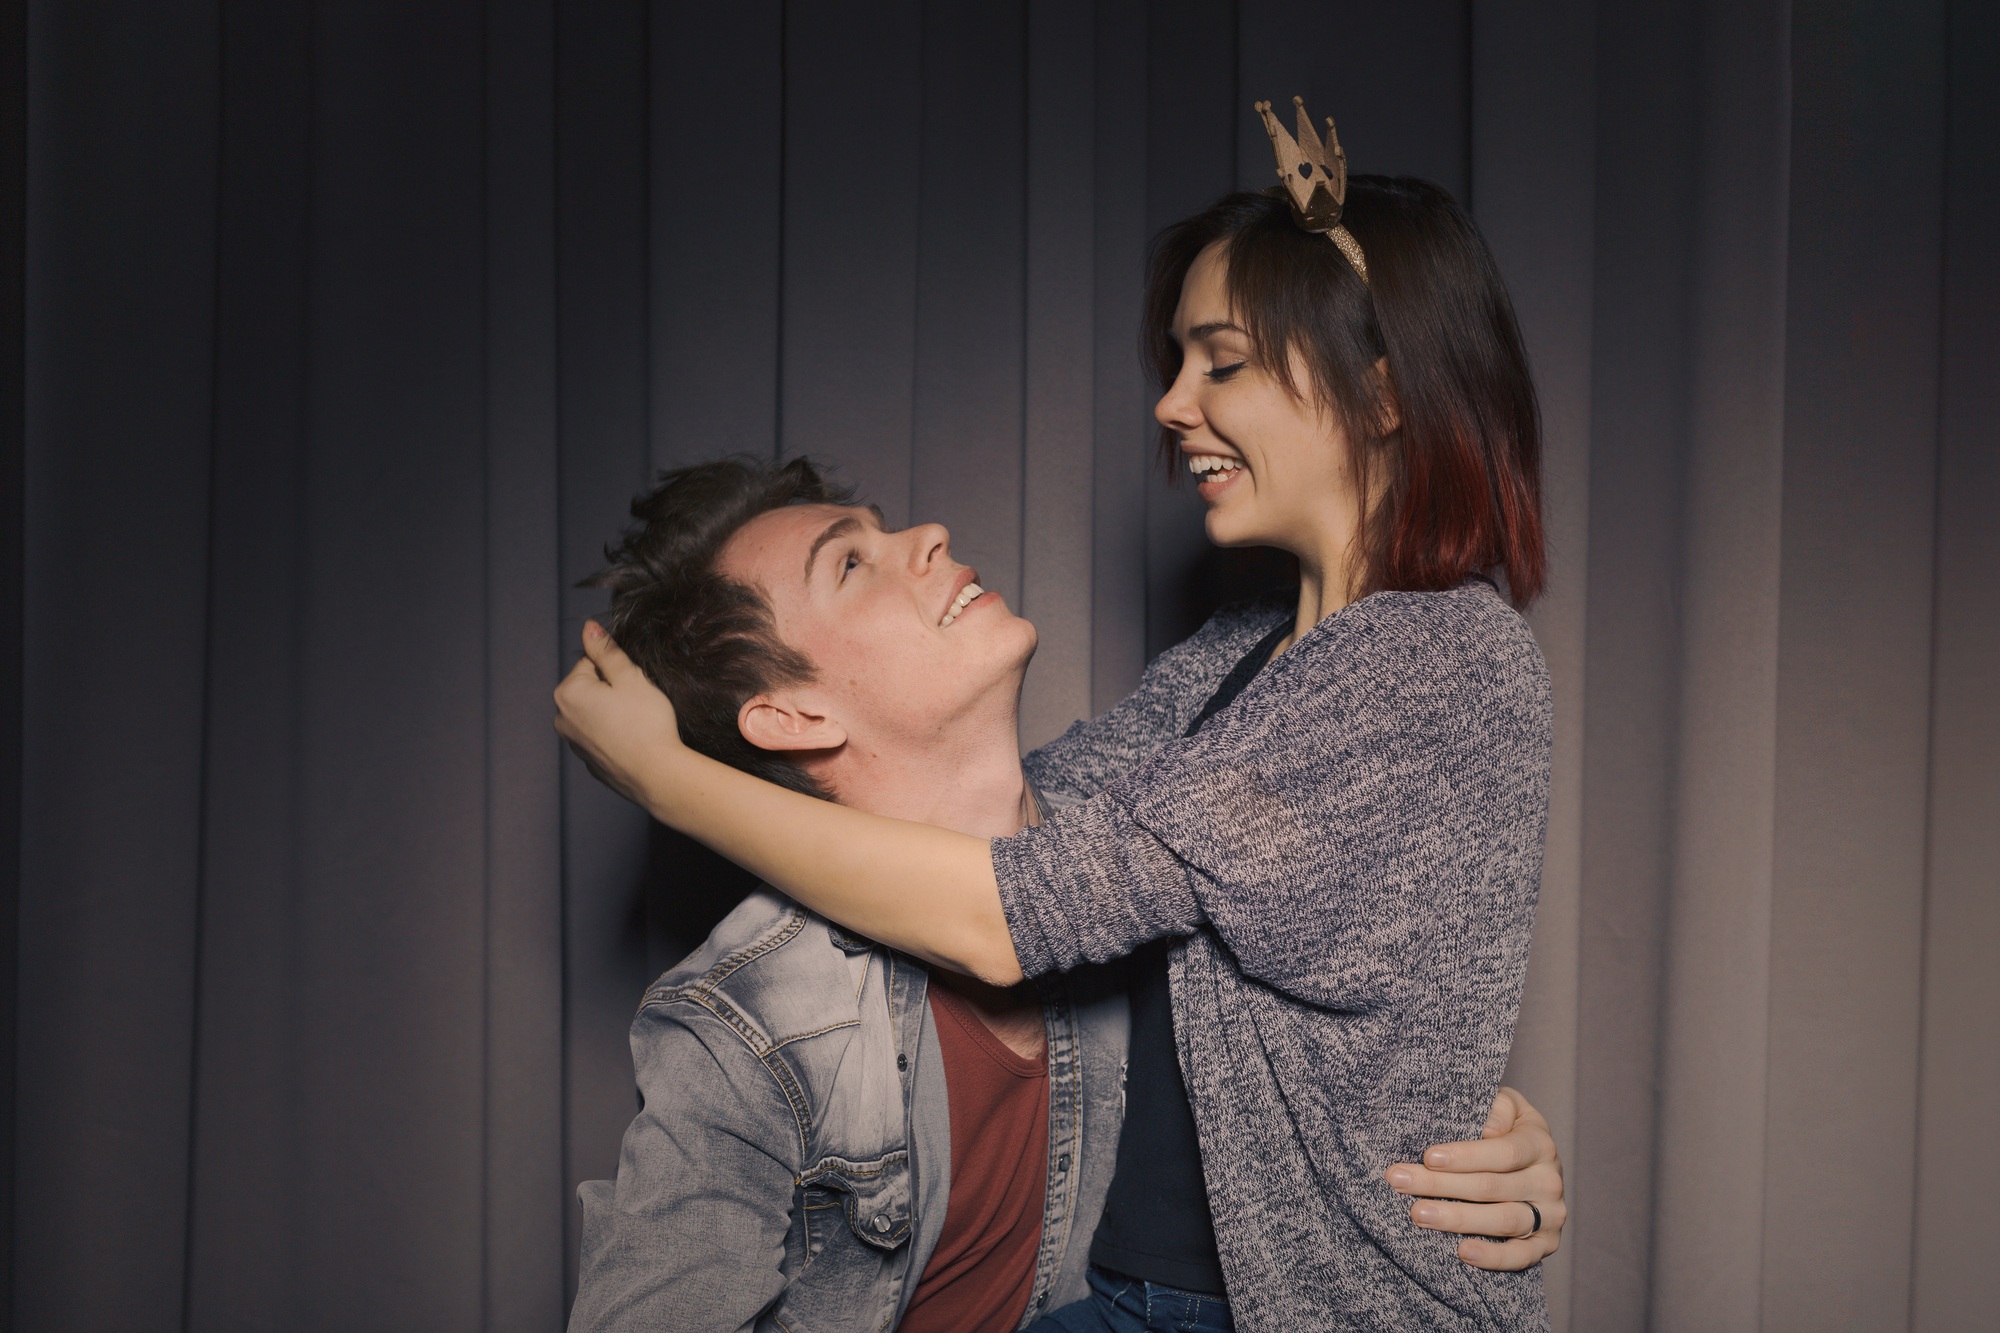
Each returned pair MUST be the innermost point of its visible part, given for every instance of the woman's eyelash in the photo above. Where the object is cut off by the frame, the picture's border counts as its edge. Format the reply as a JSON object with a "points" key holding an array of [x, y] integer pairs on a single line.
{"points": [[1225, 372]]}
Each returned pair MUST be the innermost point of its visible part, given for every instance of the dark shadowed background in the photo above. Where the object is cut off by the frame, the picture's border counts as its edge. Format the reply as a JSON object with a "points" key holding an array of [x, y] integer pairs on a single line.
{"points": [[336, 337]]}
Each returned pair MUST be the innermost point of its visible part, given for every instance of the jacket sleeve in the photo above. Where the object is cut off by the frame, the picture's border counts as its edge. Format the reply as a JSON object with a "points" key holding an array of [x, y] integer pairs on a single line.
{"points": [[1360, 814], [692, 1233], [1092, 755]]}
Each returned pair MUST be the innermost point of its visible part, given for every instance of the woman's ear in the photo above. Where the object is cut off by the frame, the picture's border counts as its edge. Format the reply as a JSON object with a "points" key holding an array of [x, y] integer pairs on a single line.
{"points": [[1391, 407], [784, 722]]}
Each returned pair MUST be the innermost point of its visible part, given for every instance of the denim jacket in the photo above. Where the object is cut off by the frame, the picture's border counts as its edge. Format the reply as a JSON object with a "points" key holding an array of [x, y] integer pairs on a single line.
{"points": [[791, 1162]]}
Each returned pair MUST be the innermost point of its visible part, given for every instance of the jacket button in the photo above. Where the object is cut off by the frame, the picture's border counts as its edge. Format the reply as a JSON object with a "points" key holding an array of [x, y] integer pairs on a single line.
{"points": [[902, 1061], [881, 1221]]}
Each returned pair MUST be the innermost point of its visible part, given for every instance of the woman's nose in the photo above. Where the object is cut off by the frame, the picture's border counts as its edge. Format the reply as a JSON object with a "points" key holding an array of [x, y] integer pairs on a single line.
{"points": [[1176, 409]]}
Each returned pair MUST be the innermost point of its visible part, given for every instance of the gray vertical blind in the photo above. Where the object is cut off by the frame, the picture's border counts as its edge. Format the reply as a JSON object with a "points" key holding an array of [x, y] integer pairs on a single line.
{"points": [[351, 329]]}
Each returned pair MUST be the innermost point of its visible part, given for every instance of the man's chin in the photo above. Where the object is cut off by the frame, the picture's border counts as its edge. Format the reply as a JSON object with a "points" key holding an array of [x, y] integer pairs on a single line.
{"points": [[1034, 641], [1019, 635], [1019, 665]]}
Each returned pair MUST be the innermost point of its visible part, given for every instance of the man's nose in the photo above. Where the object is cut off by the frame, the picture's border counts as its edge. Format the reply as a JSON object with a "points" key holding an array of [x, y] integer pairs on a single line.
{"points": [[929, 543]]}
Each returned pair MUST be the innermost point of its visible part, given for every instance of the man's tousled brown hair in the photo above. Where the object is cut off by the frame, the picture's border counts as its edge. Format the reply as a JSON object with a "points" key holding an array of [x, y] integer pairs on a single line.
{"points": [[710, 642]]}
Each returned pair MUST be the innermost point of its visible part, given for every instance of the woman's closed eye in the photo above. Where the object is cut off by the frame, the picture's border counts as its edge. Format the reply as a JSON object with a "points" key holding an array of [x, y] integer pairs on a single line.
{"points": [[1226, 372]]}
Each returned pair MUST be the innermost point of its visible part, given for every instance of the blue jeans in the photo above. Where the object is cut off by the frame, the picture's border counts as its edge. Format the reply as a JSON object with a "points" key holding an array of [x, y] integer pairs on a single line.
{"points": [[1120, 1304]]}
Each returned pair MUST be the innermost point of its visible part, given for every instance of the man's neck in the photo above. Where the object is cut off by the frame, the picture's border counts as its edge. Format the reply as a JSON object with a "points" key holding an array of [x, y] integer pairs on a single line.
{"points": [[969, 780]]}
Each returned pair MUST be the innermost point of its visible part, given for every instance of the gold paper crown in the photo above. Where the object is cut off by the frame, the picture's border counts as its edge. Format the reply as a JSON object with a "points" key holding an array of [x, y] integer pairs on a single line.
{"points": [[1315, 179]]}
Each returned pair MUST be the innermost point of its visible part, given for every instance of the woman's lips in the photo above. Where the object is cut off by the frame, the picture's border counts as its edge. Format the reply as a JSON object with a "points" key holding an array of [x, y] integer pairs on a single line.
{"points": [[1214, 473], [1212, 486]]}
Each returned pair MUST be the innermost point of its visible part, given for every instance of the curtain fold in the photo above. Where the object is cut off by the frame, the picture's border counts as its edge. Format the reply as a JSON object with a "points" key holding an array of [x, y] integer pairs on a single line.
{"points": [[350, 330], [1958, 1100]]}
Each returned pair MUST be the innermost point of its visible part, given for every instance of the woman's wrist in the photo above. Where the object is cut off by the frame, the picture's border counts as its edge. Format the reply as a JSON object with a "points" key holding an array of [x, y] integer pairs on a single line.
{"points": [[662, 784]]}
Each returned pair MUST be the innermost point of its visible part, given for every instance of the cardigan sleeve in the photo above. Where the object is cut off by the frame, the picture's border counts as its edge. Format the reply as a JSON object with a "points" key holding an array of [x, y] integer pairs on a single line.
{"points": [[1335, 828], [1088, 886]]}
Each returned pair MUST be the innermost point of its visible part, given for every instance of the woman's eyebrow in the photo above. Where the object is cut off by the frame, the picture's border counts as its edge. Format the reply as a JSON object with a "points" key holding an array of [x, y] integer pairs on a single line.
{"points": [[1213, 327]]}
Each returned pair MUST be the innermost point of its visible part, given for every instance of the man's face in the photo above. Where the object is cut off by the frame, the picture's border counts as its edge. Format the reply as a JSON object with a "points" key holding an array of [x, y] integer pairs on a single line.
{"points": [[900, 658]]}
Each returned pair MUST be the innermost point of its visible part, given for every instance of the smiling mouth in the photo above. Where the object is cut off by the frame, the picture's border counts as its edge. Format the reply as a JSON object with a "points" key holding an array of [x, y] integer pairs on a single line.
{"points": [[1214, 467], [966, 597]]}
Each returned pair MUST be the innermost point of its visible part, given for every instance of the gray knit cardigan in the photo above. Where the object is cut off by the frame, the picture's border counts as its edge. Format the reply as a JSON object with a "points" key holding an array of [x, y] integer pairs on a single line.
{"points": [[1349, 854]]}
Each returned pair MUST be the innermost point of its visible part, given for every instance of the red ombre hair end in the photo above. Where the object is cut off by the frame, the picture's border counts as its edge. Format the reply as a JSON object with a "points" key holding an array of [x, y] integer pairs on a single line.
{"points": [[1459, 480]]}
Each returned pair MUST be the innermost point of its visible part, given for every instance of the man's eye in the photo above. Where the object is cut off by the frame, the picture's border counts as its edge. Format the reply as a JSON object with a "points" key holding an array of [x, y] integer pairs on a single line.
{"points": [[1226, 372], [849, 563]]}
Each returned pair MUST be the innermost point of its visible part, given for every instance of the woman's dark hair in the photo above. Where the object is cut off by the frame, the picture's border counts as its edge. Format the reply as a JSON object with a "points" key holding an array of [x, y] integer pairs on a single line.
{"points": [[1461, 476], [707, 641]]}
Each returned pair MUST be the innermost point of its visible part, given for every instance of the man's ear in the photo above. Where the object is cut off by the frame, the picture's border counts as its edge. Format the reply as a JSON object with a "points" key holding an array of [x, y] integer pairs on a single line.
{"points": [[786, 722]]}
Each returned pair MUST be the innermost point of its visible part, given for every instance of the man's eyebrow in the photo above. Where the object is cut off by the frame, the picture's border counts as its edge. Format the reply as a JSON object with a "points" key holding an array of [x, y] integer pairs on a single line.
{"points": [[840, 527]]}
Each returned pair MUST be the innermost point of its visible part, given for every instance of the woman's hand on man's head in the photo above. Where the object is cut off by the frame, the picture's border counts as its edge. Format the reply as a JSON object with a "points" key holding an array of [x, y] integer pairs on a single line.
{"points": [[1482, 1189], [617, 721]]}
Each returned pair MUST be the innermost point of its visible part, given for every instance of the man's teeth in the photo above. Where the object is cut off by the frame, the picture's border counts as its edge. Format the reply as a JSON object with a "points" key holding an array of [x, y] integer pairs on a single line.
{"points": [[972, 590], [1204, 463]]}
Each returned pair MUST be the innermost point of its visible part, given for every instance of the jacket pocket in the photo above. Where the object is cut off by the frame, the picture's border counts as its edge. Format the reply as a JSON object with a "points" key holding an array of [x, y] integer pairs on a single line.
{"points": [[875, 1196]]}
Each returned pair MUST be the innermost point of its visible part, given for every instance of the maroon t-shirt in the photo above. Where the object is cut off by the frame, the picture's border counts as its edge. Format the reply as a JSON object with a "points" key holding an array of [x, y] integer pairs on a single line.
{"points": [[982, 1272]]}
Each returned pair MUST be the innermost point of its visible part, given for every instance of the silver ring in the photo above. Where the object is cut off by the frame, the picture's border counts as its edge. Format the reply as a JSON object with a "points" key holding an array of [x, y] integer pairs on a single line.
{"points": [[1536, 1229]]}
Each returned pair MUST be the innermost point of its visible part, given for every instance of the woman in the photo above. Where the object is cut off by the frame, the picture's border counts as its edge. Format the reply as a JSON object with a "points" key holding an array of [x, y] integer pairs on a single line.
{"points": [[1318, 826]]}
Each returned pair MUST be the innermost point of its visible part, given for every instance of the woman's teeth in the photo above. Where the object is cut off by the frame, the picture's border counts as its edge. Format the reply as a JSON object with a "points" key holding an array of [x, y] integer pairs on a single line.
{"points": [[1223, 468], [972, 590]]}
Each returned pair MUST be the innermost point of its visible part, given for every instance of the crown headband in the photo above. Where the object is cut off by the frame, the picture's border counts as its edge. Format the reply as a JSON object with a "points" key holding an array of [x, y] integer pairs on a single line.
{"points": [[1315, 179]]}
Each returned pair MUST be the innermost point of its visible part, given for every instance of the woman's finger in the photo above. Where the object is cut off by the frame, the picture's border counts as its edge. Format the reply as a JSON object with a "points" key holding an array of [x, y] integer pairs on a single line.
{"points": [[604, 651], [572, 690]]}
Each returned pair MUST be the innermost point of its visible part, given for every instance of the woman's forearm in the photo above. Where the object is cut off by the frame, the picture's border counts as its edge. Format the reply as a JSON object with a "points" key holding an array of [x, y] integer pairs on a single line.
{"points": [[925, 890]]}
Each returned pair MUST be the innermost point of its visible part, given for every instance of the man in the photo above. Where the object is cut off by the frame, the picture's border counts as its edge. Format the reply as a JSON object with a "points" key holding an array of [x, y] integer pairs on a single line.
{"points": [[829, 1136]]}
